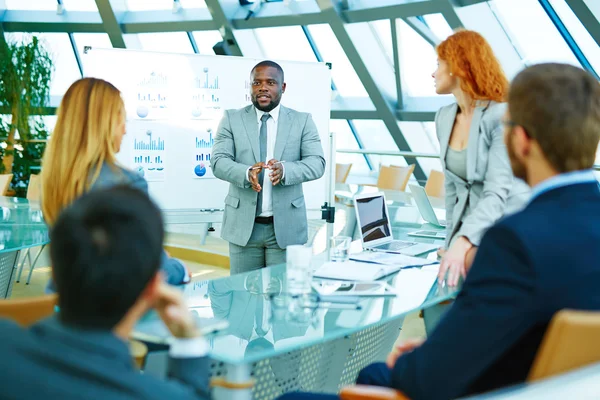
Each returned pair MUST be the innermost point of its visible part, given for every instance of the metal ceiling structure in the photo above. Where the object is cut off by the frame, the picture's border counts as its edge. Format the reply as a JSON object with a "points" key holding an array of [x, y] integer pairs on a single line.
{"points": [[385, 42]]}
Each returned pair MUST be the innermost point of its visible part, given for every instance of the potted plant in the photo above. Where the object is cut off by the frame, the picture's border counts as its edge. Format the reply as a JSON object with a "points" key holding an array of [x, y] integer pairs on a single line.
{"points": [[25, 72]]}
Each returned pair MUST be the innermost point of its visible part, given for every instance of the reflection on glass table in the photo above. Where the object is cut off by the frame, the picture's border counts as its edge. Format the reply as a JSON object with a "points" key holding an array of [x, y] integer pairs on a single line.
{"points": [[258, 328]]}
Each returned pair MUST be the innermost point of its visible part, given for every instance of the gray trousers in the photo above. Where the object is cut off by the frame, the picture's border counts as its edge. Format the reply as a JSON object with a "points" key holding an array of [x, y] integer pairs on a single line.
{"points": [[261, 251]]}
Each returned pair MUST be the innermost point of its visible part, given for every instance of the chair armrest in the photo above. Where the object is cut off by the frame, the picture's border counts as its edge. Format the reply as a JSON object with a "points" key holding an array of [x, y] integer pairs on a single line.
{"points": [[138, 352], [366, 392]]}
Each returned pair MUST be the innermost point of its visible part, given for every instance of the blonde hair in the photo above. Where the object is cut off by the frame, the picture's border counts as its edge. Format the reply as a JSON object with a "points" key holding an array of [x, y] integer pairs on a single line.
{"points": [[82, 141]]}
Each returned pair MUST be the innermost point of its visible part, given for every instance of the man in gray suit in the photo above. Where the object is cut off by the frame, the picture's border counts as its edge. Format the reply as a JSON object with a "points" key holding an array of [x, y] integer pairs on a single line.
{"points": [[265, 151], [106, 254]]}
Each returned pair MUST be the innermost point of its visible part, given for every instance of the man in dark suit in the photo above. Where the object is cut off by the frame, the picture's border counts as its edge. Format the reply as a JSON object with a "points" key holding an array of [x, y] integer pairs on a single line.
{"points": [[531, 264], [106, 253]]}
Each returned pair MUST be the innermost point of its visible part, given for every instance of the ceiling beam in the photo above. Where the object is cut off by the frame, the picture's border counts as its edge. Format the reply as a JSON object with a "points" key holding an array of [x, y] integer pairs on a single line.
{"points": [[281, 20], [587, 18], [423, 30], [397, 64], [354, 114], [49, 21], [224, 26], [110, 21], [402, 10], [385, 110], [449, 13]]}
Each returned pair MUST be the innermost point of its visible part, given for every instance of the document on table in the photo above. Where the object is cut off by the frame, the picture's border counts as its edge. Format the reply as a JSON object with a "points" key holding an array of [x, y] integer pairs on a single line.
{"points": [[413, 285], [390, 259]]}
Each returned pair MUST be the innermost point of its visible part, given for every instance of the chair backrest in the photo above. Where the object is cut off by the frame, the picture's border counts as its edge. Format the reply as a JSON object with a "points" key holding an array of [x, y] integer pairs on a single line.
{"points": [[5, 180], [394, 177], [34, 190], [435, 184], [341, 172], [571, 341], [28, 311]]}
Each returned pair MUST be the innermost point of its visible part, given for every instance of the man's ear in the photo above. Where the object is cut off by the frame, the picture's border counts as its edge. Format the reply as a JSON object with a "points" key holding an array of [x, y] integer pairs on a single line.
{"points": [[151, 291], [283, 87], [521, 142]]}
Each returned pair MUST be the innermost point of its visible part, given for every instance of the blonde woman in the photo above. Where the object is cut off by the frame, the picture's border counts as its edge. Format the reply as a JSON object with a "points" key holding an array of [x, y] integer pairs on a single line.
{"points": [[80, 156]]}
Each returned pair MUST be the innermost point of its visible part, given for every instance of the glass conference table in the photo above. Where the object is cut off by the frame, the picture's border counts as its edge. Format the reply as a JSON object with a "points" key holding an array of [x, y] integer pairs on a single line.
{"points": [[21, 228], [318, 346]]}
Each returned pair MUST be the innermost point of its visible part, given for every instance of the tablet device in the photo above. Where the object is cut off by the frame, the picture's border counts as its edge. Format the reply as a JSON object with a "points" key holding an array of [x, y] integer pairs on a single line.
{"points": [[441, 235]]}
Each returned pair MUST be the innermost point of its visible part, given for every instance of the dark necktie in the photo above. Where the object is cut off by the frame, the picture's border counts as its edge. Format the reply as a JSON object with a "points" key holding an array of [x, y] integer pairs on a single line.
{"points": [[262, 139]]}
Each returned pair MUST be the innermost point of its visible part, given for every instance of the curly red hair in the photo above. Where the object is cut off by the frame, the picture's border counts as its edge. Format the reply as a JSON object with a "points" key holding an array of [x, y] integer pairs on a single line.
{"points": [[471, 58]]}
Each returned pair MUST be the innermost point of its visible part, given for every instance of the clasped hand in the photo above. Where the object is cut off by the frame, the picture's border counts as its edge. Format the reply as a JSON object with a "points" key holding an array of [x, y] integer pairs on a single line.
{"points": [[275, 175]]}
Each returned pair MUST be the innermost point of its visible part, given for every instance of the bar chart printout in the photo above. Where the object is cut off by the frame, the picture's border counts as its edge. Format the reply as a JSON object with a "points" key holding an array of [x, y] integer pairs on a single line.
{"points": [[201, 157], [148, 153], [152, 101]]}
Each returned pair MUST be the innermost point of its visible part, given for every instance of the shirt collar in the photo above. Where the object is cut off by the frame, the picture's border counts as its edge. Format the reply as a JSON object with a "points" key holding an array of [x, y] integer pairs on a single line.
{"points": [[560, 180], [274, 113]]}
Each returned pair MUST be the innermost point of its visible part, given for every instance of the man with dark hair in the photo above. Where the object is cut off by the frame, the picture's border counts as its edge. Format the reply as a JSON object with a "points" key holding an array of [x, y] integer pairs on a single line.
{"points": [[531, 264], [106, 250], [265, 151]]}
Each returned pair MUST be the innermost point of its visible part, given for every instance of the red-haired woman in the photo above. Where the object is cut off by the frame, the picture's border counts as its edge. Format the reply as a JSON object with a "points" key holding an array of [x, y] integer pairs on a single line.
{"points": [[478, 176]]}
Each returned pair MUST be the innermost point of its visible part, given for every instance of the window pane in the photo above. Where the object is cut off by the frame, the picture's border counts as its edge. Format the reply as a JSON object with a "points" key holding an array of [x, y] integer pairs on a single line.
{"points": [[144, 5], [344, 139], [480, 18], [49, 122], [59, 46], [168, 42], [193, 3], [594, 6], [342, 72], [285, 43], [417, 62], [438, 24], [31, 5], [205, 40], [384, 34], [375, 136], [532, 31], [95, 40], [421, 138], [583, 38], [80, 5]]}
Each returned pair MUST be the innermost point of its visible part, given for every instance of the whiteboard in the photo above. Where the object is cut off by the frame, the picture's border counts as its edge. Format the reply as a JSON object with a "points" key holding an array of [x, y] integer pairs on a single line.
{"points": [[174, 103]]}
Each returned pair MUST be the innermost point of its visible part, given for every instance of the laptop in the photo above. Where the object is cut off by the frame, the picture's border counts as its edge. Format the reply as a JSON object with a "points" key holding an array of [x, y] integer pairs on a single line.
{"points": [[372, 217], [424, 205]]}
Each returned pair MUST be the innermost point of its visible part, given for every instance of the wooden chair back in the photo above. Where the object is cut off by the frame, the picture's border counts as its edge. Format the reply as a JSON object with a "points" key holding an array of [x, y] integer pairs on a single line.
{"points": [[571, 341]]}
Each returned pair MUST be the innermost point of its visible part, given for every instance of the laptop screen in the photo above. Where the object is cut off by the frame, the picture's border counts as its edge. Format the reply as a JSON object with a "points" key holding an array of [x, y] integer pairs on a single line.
{"points": [[373, 218]]}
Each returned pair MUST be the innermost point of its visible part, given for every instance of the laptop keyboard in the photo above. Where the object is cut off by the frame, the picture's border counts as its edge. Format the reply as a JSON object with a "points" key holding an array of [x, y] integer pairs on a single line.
{"points": [[395, 245]]}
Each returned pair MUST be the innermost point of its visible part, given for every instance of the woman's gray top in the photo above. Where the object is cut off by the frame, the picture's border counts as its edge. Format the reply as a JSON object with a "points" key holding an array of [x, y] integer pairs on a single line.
{"points": [[456, 162]]}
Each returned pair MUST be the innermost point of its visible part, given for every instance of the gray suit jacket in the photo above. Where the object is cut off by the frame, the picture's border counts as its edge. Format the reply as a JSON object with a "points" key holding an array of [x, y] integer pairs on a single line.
{"points": [[490, 191], [61, 362], [236, 148]]}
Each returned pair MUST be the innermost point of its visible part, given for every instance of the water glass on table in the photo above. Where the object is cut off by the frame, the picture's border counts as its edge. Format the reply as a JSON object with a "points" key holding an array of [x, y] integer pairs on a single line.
{"points": [[298, 269], [340, 248]]}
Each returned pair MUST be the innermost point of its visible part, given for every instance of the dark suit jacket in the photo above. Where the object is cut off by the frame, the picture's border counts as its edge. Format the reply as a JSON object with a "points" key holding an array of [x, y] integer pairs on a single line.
{"points": [[52, 361], [529, 266]]}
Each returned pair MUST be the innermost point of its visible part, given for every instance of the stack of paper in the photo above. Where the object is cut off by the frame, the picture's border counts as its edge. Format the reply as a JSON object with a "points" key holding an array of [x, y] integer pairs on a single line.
{"points": [[369, 266]]}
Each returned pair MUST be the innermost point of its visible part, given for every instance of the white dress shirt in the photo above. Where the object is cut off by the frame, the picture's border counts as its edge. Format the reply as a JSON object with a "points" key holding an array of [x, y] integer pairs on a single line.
{"points": [[189, 347], [267, 186]]}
